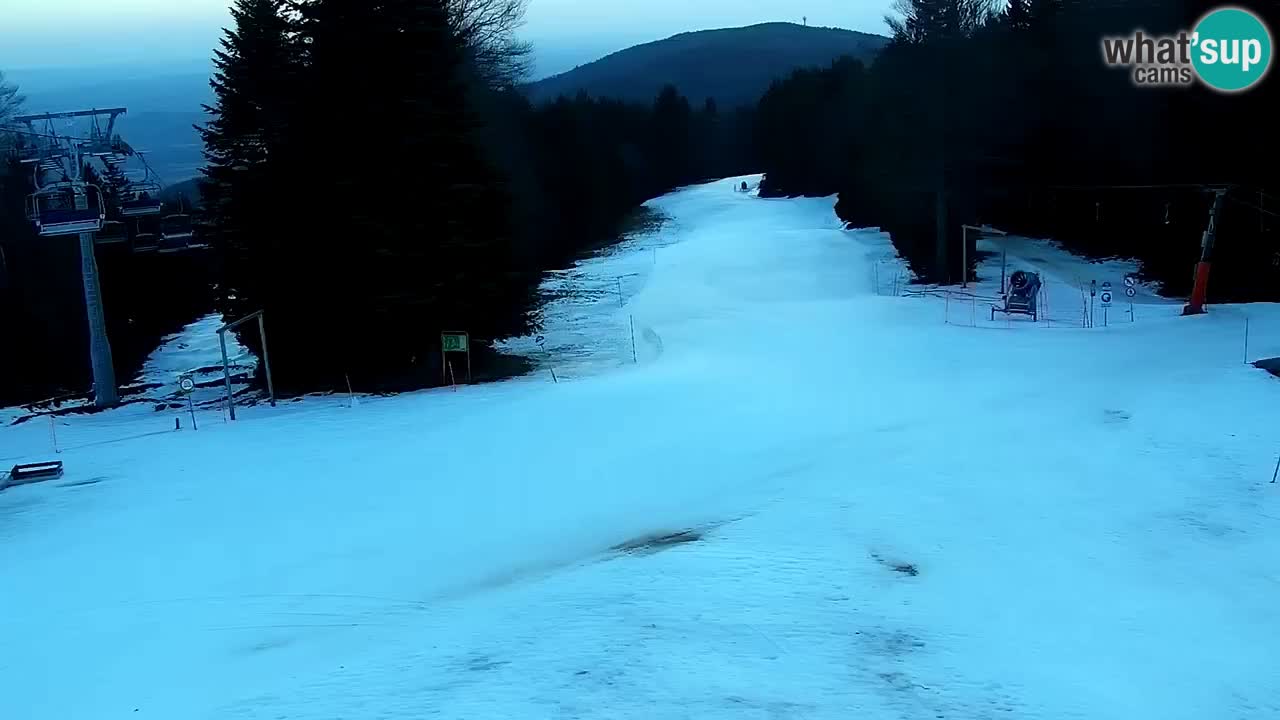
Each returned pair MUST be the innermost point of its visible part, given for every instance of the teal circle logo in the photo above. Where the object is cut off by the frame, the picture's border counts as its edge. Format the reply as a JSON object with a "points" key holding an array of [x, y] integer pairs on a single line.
{"points": [[1232, 49]]}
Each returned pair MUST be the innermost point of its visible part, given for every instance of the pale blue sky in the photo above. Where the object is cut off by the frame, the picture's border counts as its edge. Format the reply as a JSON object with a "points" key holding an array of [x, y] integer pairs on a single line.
{"points": [[565, 32]]}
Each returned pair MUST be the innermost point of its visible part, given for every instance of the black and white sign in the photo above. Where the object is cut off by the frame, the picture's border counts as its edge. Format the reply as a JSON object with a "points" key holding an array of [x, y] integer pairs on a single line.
{"points": [[1106, 298], [1130, 292], [1130, 281], [186, 384]]}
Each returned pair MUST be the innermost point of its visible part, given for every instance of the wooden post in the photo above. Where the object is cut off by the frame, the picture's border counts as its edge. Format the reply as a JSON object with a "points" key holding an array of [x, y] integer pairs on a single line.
{"points": [[941, 256], [266, 359], [1246, 339], [633, 341], [226, 373]]}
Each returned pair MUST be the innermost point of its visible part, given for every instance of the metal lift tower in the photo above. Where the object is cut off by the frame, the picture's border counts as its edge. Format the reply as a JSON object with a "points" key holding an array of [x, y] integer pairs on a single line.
{"points": [[63, 157]]}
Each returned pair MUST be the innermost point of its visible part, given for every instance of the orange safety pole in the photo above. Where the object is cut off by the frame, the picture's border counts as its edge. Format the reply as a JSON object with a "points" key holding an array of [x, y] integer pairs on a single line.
{"points": [[1200, 291]]}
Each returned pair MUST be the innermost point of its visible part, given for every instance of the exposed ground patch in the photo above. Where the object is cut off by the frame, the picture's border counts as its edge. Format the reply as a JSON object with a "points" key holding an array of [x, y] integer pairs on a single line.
{"points": [[657, 542], [1271, 365], [898, 566]]}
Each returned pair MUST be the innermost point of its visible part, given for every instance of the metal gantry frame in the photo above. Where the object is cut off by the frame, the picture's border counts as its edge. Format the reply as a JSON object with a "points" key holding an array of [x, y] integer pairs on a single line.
{"points": [[266, 359]]}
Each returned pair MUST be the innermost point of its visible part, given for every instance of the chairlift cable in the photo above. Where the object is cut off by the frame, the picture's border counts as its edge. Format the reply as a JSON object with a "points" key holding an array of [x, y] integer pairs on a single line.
{"points": [[1259, 208]]}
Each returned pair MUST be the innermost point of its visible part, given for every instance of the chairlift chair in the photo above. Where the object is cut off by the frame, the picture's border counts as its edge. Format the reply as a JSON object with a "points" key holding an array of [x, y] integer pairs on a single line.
{"points": [[104, 147], [53, 209], [146, 242], [113, 232], [143, 200], [176, 233]]}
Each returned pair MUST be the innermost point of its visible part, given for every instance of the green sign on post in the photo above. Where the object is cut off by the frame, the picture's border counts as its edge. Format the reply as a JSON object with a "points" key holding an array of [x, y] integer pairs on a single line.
{"points": [[453, 342]]}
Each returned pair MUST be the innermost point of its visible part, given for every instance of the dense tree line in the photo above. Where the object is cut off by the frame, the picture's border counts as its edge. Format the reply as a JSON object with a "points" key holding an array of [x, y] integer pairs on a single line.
{"points": [[376, 178], [1007, 115]]}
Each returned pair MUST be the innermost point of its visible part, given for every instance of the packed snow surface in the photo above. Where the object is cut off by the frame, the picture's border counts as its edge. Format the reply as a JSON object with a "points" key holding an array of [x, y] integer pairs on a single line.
{"points": [[804, 496]]}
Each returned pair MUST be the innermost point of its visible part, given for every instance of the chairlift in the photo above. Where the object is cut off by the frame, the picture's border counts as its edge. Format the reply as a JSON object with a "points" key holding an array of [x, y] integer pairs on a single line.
{"points": [[53, 209], [146, 242], [176, 233], [142, 199], [104, 147], [113, 232]]}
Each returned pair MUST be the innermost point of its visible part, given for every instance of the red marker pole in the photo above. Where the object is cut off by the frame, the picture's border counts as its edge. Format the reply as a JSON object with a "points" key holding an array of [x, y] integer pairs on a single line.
{"points": [[1200, 292]]}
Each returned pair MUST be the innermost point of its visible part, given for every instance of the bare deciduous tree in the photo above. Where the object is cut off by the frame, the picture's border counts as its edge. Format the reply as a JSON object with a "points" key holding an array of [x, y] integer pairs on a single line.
{"points": [[488, 28], [10, 106], [921, 21]]}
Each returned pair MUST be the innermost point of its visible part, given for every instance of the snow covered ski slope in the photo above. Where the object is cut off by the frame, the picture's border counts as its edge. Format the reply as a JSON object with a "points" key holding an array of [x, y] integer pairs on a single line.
{"points": [[805, 499]]}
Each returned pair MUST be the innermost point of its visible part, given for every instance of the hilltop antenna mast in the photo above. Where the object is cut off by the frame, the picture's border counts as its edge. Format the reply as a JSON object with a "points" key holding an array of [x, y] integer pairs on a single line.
{"points": [[66, 155]]}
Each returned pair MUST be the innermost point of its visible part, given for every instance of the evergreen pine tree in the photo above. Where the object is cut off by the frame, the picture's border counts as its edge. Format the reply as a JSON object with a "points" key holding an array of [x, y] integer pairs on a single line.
{"points": [[399, 226], [1017, 16], [256, 69], [672, 137], [114, 184]]}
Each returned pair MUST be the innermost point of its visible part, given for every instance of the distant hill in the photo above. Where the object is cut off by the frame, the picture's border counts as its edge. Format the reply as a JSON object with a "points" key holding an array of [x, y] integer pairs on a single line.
{"points": [[187, 191], [734, 65]]}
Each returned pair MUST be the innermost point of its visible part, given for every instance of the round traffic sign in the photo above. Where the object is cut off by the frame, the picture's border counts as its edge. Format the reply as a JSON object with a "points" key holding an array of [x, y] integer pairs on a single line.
{"points": [[1106, 296], [187, 384], [1130, 281], [1130, 291]]}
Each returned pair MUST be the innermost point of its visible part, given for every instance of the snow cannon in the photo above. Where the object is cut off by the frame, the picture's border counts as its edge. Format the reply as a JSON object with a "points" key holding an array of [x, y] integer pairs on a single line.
{"points": [[1023, 296]]}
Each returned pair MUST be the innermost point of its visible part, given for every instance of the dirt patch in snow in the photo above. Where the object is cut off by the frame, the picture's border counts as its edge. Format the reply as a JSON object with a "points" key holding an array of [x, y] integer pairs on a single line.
{"points": [[657, 542]]}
